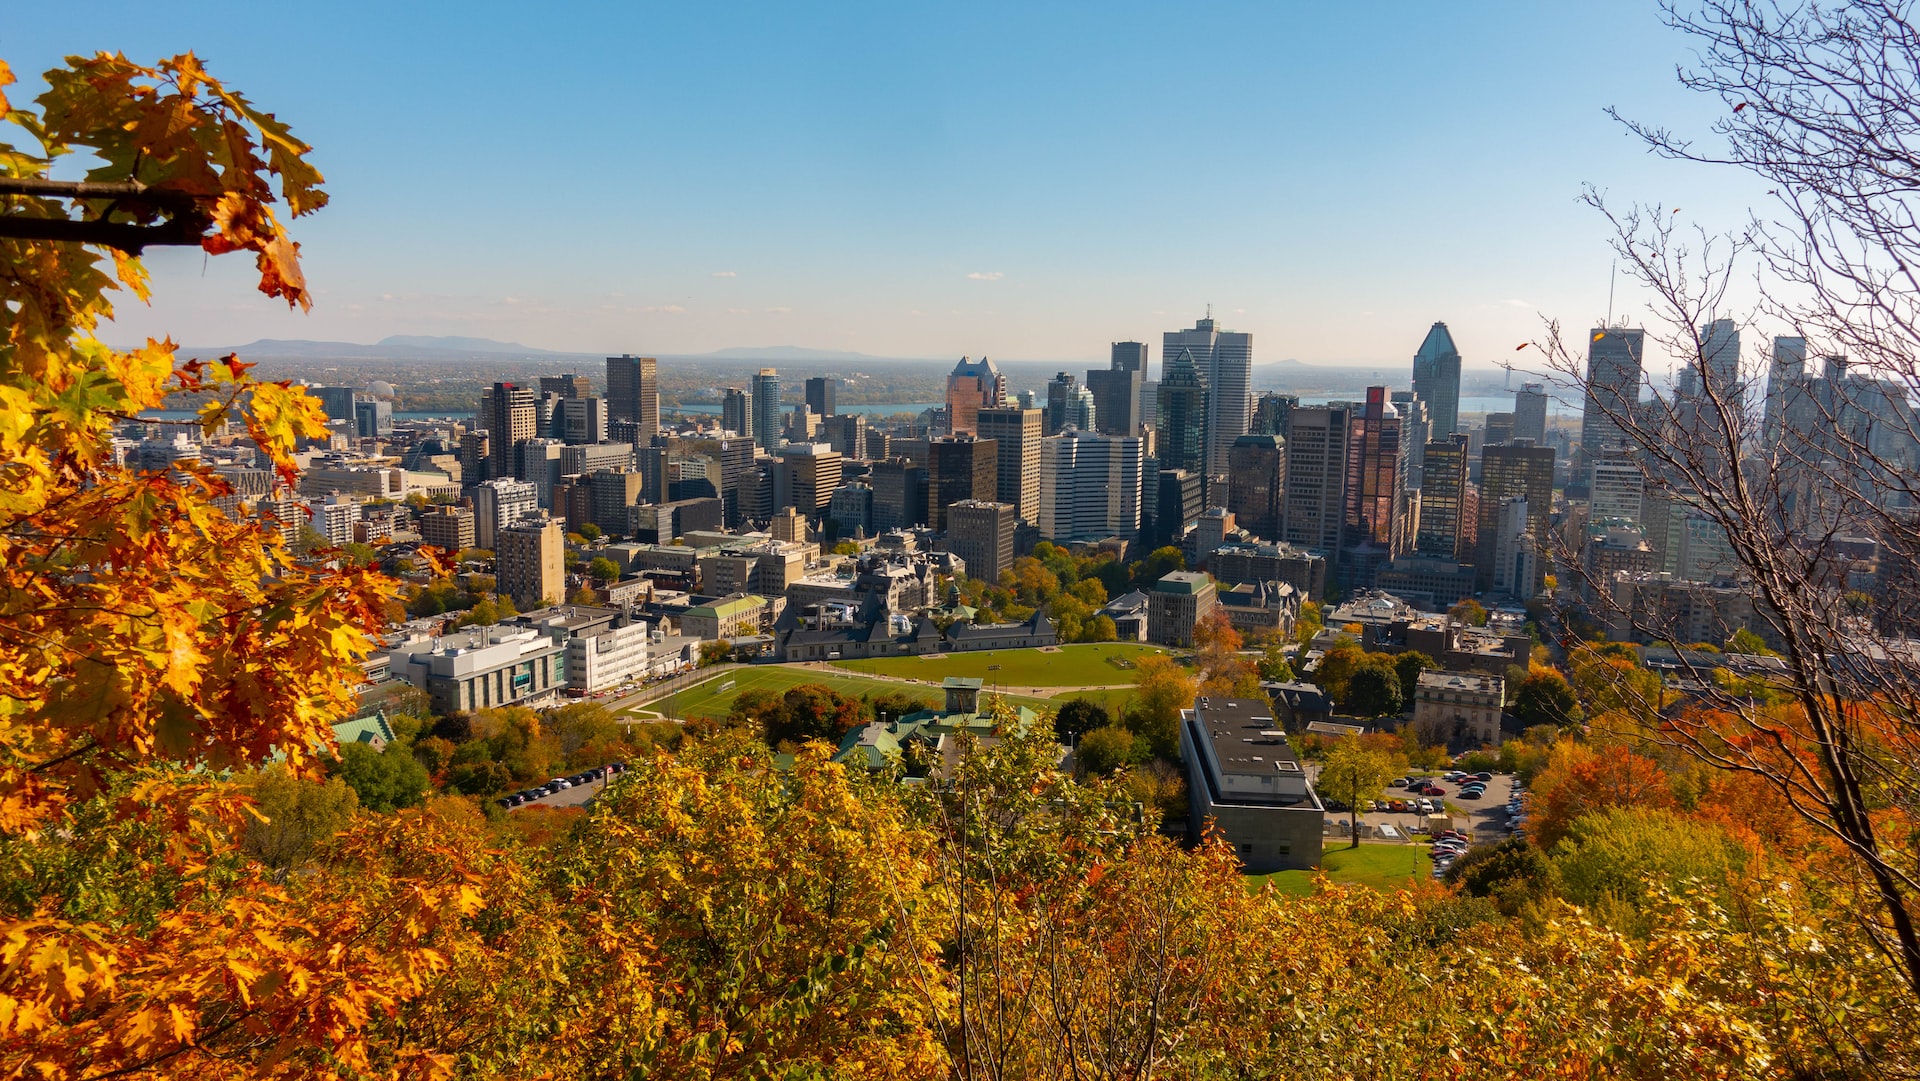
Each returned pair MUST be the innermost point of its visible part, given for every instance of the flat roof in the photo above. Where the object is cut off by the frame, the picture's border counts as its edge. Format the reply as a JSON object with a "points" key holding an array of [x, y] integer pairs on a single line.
{"points": [[1181, 582]]}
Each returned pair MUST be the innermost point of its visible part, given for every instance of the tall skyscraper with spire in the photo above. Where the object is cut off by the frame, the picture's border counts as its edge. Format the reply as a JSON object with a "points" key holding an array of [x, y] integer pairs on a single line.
{"points": [[1436, 379], [1224, 361]]}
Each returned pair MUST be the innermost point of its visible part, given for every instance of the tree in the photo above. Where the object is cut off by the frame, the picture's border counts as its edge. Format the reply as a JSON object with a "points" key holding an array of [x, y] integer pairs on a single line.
{"points": [[297, 817], [1615, 861], [1745, 641], [1163, 689], [1100, 629], [590, 532], [1374, 691], [1352, 774], [584, 595], [1544, 697], [1337, 666], [384, 780], [1578, 780], [1408, 666], [1077, 717], [584, 733], [716, 652], [603, 569], [1104, 750], [1274, 665], [1470, 612], [1159, 563], [1309, 624]]}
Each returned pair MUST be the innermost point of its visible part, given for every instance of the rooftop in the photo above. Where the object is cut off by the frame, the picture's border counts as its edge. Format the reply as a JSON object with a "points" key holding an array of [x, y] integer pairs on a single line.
{"points": [[1476, 682], [1182, 582]]}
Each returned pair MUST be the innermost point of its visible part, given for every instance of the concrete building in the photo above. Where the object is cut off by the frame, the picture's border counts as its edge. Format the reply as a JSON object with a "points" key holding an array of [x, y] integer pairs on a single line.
{"points": [[1316, 495], [1243, 779], [1177, 602], [1016, 434], [1432, 582], [736, 411], [569, 385], [1257, 483], [498, 502], [1458, 708], [1617, 488], [510, 417], [981, 532], [446, 527], [529, 556], [851, 508], [612, 493], [482, 667], [814, 472], [820, 394], [583, 420], [1530, 413], [1116, 391], [1238, 562], [1517, 470], [899, 495], [731, 616], [593, 458], [1614, 358], [1089, 486], [334, 518], [766, 408], [1261, 608]]}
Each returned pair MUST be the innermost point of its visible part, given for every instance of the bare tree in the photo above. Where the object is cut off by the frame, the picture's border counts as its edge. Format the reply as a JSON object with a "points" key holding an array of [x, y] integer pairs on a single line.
{"points": [[1790, 489]]}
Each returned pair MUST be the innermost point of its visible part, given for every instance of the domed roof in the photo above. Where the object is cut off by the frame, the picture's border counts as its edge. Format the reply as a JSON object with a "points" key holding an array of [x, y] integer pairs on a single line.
{"points": [[380, 388]]}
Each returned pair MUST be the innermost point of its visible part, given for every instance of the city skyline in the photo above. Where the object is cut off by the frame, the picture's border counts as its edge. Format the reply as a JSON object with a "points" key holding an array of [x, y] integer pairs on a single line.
{"points": [[767, 202]]}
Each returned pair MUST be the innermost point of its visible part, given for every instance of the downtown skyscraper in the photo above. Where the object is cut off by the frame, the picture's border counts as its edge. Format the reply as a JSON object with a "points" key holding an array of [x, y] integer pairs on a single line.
{"points": [[633, 394], [1612, 387], [1224, 360], [1436, 380], [765, 398], [1182, 415]]}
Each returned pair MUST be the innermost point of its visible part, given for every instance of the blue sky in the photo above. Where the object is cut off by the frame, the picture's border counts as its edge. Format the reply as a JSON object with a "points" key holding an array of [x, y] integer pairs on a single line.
{"points": [[1027, 181]]}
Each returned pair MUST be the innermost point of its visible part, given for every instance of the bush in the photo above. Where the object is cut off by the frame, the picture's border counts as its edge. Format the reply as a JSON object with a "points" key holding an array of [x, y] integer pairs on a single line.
{"points": [[1104, 750]]}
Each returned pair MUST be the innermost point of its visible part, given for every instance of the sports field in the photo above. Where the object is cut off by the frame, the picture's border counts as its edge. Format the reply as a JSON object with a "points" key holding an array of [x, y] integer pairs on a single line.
{"points": [[714, 698], [1069, 666]]}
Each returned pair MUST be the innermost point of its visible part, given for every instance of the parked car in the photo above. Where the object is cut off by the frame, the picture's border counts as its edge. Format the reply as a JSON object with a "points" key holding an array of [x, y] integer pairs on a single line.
{"points": [[1484, 775], [1433, 790], [1423, 806], [1468, 793], [1396, 805]]}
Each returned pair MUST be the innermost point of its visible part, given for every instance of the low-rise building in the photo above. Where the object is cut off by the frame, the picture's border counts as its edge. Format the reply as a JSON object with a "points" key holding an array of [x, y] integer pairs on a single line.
{"points": [[1459, 708], [729, 617], [1129, 614], [482, 667], [1243, 778], [1237, 562], [1261, 608], [1178, 602]]}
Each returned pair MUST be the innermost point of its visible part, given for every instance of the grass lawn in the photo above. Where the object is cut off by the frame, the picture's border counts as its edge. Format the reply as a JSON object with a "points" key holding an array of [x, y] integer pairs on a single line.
{"points": [[1383, 867], [1072, 666], [708, 700]]}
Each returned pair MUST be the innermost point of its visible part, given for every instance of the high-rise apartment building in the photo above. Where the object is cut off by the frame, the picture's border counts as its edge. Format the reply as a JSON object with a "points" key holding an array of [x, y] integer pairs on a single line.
{"points": [[1257, 483], [981, 533], [1016, 433], [1090, 486], [1116, 391], [959, 467], [819, 394], [1415, 431], [1618, 488], [1224, 360], [633, 394], [973, 386], [1530, 413], [736, 411], [446, 527], [612, 492], [1514, 470], [499, 502], [566, 386], [766, 408], [1181, 420], [1436, 379], [510, 418], [1316, 495], [1614, 357], [1448, 525], [1378, 525], [530, 556]]}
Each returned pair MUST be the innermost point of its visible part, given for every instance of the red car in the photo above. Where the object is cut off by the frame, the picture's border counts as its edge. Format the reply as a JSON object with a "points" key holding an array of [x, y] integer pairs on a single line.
{"points": [[1433, 790]]}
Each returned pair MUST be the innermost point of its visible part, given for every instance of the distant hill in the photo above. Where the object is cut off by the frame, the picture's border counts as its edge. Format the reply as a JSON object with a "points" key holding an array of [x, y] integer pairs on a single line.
{"points": [[394, 347], [460, 344]]}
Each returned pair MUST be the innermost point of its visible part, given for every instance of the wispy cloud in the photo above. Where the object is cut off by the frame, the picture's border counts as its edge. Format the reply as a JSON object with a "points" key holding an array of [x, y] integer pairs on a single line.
{"points": [[739, 311], [725, 274], [782, 310], [665, 309], [986, 275], [1512, 303]]}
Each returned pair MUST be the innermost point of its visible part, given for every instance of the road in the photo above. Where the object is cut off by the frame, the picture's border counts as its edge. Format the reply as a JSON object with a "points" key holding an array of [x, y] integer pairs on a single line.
{"points": [[576, 796], [1486, 816]]}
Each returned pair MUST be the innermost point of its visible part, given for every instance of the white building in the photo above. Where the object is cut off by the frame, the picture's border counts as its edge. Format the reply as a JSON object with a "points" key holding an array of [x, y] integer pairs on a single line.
{"points": [[1458, 707], [334, 519], [481, 667], [1090, 485], [498, 503], [620, 655], [1618, 488]]}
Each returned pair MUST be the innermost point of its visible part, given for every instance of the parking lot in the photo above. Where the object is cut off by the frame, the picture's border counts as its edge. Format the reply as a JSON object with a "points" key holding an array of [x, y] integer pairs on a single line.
{"points": [[1484, 818]]}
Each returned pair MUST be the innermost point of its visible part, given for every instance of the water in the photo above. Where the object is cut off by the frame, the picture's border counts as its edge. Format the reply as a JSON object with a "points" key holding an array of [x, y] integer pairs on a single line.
{"points": [[880, 409]]}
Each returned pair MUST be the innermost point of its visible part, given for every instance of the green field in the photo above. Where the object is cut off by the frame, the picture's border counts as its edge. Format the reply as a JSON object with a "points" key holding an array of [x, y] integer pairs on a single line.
{"points": [[708, 700], [1384, 867], [1070, 666]]}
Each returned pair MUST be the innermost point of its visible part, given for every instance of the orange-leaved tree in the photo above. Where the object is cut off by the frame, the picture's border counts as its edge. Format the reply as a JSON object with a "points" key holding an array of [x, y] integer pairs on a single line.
{"points": [[151, 644]]}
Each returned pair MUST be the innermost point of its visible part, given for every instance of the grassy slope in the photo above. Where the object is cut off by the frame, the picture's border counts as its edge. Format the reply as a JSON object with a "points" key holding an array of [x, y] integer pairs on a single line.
{"points": [[1382, 867], [1072, 666], [708, 700]]}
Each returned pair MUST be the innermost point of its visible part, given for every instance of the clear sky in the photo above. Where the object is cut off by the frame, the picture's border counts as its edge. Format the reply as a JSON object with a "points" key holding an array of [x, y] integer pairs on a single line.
{"points": [[1028, 181]]}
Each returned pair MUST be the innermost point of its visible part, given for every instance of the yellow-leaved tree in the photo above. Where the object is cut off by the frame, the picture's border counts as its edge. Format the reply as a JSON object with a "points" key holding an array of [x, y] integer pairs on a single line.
{"points": [[151, 644]]}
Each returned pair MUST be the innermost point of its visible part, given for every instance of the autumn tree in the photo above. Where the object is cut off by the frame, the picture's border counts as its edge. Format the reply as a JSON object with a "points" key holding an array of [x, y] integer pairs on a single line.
{"points": [[1580, 780], [1162, 689], [1408, 666], [1544, 697], [297, 817], [1354, 775], [1216, 650], [1374, 691]]}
